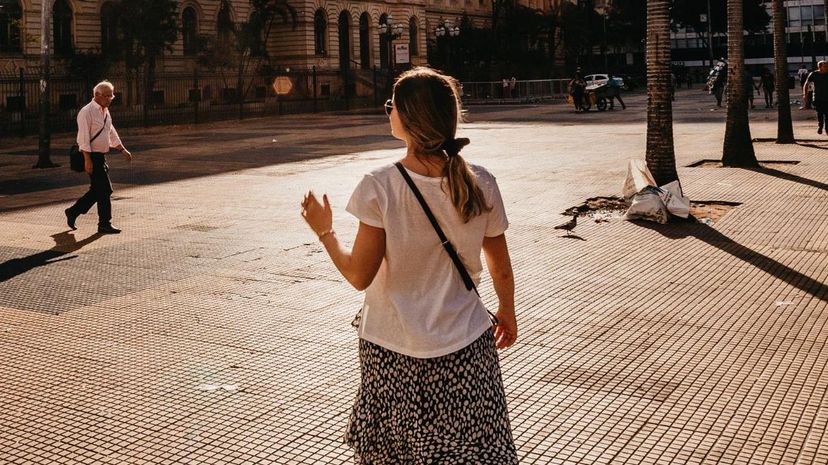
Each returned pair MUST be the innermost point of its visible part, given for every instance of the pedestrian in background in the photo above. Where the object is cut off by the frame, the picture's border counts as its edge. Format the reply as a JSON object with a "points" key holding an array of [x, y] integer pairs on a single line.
{"points": [[431, 389], [577, 87], [94, 120], [768, 84], [513, 87], [819, 80], [614, 92], [803, 76], [750, 87]]}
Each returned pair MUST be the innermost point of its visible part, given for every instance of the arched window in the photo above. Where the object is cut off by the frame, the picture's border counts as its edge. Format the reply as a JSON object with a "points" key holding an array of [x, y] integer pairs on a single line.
{"points": [[109, 28], [320, 32], [344, 40], [10, 16], [412, 36], [224, 22], [62, 28], [364, 41], [384, 44], [189, 30]]}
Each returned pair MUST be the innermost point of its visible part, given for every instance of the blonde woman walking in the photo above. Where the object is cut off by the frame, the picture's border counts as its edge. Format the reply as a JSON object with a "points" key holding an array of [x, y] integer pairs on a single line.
{"points": [[431, 389]]}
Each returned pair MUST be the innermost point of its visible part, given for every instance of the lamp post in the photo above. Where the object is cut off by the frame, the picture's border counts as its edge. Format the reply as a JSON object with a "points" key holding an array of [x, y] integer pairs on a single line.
{"points": [[444, 32], [390, 31], [44, 133], [603, 10]]}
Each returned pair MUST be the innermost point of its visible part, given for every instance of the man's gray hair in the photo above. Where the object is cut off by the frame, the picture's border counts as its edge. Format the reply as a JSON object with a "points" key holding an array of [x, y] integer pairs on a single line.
{"points": [[99, 86], [822, 62]]}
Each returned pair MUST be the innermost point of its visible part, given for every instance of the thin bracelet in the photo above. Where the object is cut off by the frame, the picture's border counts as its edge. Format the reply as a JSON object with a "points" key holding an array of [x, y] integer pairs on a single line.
{"points": [[330, 231]]}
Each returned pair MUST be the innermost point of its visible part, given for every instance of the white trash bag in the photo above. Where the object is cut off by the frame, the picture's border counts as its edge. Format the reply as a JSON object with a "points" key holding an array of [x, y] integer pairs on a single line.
{"points": [[677, 204], [638, 177], [647, 205]]}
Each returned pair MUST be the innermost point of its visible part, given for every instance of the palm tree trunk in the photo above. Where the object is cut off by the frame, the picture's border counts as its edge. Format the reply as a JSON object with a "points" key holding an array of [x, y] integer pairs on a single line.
{"points": [[784, 133], [738, 145], [660, 156]]}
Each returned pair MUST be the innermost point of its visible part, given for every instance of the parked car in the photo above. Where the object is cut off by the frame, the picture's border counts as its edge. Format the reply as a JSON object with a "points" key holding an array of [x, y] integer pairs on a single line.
{"points": [[595, 80]]}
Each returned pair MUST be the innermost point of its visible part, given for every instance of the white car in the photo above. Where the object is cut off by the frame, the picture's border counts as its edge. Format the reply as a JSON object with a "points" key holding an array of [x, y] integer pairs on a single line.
{"points": [[595, 80]]}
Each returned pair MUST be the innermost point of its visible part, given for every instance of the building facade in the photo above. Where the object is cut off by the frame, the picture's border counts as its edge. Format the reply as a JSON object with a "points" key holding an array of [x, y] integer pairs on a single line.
{"points": [[805, 35]]}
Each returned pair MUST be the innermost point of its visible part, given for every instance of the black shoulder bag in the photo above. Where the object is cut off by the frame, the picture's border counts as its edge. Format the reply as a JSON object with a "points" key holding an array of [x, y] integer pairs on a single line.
{"points": [[75, 155], [452, 252]]}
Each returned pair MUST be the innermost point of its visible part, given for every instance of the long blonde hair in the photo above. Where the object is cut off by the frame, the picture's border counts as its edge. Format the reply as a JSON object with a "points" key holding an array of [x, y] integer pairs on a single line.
{"points": [[428, 105]]}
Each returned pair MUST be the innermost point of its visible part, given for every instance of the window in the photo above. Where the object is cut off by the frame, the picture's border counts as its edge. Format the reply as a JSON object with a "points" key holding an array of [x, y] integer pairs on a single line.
{"points": [[320, 32], [224, 23], [189, 30], [807, 15], [364, 41], [794, 17], [10, 16], [412, 36], [109, 28], [62, 28], [819, 15]]}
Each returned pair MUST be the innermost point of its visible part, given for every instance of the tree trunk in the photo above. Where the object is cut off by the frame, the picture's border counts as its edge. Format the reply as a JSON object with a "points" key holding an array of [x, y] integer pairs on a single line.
{"points": [[738, 145], [784, 132], [660, 156]]}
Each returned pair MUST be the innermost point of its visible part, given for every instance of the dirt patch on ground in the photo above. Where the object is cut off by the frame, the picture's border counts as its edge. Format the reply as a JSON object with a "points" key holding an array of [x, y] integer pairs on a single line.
{"points": [[605, 209]]}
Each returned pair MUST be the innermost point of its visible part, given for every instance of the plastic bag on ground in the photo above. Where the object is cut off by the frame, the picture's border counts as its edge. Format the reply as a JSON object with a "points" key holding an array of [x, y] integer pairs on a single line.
{"points": [[647, 205], [638, 177], [676, 203]]}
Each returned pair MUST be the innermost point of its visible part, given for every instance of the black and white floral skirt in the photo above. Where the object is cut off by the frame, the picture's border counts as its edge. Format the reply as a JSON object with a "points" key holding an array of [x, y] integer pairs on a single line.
{"points": [[428, 411]]}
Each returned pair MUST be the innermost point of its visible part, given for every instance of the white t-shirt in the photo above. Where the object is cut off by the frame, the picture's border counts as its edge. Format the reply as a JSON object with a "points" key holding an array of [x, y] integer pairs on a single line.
{"points": [[417, 304]]}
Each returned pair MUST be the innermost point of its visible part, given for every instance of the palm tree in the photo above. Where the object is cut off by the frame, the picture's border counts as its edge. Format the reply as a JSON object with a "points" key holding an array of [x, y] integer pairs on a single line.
{"points": [[738, 146], [660, 156], [784, 134]]}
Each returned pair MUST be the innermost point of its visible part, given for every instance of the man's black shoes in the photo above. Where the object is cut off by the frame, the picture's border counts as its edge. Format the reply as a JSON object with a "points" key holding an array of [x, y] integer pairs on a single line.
{"points": [[108, 229], [70, 218]]}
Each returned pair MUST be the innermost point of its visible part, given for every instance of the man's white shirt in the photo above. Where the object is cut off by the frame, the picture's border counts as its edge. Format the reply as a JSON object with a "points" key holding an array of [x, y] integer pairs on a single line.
{"points": [[91, 119]]}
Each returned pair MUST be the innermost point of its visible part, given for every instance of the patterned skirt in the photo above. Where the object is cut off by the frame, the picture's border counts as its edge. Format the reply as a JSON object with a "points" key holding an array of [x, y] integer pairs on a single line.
{"points": [[445, 410]]}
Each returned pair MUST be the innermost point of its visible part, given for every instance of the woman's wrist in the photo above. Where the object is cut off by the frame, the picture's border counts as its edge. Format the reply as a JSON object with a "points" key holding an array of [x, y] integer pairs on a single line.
{"points": [[325, 233]]}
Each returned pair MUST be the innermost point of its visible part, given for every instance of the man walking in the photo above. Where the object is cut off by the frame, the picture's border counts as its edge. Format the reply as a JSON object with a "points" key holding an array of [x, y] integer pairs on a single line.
{"points": [[819, 79], [96, 136]]}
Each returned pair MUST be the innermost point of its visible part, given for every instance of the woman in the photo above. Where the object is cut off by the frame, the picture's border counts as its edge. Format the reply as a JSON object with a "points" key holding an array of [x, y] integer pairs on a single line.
{"points": [[577, 87], [768, 87], [431, 389]]}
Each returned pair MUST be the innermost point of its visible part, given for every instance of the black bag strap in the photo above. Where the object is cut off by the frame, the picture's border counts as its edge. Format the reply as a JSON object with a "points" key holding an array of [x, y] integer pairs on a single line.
{"points": [[467, 280], [101, 130]]}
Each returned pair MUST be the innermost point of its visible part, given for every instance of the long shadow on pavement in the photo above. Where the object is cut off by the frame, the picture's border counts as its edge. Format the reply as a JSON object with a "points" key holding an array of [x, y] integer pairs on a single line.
{"points": [[790, 177], [716, 239], [65, 243]]}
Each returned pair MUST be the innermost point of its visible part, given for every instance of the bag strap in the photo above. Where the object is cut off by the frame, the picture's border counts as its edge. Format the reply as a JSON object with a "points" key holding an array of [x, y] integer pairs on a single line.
{"points": [[467, 280], [101, 130]]}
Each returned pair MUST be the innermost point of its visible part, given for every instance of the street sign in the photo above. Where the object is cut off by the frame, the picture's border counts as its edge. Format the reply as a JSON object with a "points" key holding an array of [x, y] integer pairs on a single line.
{"points": [[401, 54], [282, 85], [702, 18]]}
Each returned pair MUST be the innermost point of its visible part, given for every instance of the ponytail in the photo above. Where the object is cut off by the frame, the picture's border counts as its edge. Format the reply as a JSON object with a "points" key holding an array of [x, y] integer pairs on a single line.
{"points": [[461, 182]]}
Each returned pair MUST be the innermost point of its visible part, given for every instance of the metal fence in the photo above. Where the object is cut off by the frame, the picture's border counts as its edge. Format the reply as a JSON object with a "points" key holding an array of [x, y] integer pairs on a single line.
{"points": [[522, 92], [175, 99]]}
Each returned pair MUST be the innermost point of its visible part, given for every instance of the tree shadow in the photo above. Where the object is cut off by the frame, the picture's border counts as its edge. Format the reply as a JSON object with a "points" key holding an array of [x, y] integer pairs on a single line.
{"points": [[65, 244], [716, 239], [789, 177], [812, 146]]}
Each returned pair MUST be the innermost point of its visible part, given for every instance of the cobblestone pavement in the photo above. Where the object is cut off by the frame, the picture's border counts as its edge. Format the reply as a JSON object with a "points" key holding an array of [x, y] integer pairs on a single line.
{"points": [[214, 329]]}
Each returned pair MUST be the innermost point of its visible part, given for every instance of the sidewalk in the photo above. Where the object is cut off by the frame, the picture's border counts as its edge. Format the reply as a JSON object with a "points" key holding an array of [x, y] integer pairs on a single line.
{"points": [[215, 330]]}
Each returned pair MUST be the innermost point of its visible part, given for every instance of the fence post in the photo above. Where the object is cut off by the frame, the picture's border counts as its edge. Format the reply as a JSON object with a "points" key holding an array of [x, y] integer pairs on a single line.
{"points": [[22, 104], [376, 102], [314, 89]]}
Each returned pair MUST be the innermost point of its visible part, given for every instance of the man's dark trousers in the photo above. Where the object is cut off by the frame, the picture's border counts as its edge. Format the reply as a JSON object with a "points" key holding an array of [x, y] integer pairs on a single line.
{"points": [[100, 189]]}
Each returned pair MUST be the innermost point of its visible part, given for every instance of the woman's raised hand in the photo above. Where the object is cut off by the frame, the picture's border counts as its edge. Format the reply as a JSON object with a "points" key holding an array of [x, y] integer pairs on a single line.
{"points": [[318, 215]]}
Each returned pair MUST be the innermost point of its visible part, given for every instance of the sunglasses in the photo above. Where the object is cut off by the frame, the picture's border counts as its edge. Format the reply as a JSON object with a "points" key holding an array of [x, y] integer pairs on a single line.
{"points": [[389, 105]]}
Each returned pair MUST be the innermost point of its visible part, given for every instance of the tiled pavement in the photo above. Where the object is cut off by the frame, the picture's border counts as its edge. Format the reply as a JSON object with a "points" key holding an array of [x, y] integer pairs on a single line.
{"points": [[214, 330]]}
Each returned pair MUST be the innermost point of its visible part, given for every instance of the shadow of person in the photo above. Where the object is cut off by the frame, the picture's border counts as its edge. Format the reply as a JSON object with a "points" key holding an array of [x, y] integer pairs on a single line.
{"points": [[711, 236], [65, 244]]}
